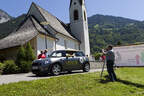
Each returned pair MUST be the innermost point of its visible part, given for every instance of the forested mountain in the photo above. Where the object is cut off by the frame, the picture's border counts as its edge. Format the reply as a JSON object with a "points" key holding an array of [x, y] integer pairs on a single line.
{"points": [[113, 30], [7, 27], [4, 17]]}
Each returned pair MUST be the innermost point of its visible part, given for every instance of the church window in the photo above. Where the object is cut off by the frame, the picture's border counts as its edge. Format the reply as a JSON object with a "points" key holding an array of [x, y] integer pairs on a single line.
{"points": [[76, 15], [85, 15]]}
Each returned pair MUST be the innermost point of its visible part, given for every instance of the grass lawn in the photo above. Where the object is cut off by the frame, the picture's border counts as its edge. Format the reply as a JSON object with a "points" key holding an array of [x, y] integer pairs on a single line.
{"points": [[131, 83]]}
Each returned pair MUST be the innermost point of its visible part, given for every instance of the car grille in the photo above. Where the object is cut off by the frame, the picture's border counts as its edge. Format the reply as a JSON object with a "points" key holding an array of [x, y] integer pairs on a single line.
{"points": [[36, 64]]}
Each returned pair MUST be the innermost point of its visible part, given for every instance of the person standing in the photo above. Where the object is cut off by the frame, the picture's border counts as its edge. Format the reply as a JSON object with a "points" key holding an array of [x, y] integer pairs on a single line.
{"points": [[110, 58]]}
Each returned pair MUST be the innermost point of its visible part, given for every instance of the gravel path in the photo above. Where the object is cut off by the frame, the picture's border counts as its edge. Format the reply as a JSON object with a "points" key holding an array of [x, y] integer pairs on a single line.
{"points": [[5, 79]]}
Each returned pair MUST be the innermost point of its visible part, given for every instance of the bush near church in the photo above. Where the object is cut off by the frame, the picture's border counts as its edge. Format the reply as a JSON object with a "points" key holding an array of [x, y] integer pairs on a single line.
{"points": [[10, 67], [24, 58], [1, 67], [23, 62]]}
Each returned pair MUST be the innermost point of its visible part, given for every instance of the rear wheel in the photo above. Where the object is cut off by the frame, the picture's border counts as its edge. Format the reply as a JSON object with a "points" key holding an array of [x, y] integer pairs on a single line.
{"points": [[86, 67], [56, 69]]}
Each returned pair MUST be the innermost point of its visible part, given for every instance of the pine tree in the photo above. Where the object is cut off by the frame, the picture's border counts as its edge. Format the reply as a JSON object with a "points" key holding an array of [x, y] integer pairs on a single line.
{"points": [[24, 59], [20, 55], [30, 56], [119, 43]]}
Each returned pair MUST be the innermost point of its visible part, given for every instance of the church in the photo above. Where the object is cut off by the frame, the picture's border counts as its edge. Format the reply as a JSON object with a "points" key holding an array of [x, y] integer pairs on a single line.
{"points": [[45, 31]]}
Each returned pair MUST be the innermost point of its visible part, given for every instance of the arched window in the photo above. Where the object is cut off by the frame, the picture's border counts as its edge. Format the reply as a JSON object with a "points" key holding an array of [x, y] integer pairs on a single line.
{"points": [[85, 15], [76, 15]]}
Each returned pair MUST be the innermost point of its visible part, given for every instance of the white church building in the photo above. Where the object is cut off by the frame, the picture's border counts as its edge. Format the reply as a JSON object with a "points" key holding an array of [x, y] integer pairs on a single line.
{"points": [[45, 31]]}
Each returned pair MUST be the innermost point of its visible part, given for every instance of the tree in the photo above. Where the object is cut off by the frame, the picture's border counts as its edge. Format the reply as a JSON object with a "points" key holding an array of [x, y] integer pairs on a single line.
{"points": [[20, 55], [30, 56], [119, 43], [24, 59]]}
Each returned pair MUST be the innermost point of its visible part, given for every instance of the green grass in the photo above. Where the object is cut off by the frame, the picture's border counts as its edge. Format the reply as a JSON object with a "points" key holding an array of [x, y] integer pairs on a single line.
{"points": [[131, 83]]}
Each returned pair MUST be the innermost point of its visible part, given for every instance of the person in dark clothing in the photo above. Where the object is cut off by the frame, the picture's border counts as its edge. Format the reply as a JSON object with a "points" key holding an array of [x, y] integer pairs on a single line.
{"points": [[110, 58]]}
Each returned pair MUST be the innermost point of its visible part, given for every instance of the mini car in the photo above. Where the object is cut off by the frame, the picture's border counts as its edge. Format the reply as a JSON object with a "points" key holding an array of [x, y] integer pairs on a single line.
{"points": [[61, 61]]}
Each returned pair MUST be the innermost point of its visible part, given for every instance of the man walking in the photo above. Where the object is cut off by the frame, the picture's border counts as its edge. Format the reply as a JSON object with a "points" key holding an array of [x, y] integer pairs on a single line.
{"points": [[110, 58]]}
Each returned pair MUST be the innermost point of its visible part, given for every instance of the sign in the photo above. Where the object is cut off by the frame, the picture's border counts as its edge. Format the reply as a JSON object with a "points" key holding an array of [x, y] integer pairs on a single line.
{"points": [[129, 55], [44, 23]]}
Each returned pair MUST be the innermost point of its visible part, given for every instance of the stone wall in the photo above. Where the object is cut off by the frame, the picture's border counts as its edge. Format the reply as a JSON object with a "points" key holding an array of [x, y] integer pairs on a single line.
{"points": [[96, 64]]}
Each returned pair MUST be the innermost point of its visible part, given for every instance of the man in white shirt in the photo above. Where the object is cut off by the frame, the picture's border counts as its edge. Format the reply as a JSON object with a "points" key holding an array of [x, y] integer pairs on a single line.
{"points": [[110, 58]]}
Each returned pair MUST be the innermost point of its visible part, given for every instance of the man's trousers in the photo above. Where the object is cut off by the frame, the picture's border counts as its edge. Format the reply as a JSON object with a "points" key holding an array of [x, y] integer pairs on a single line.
{"points": [[110, 70]]}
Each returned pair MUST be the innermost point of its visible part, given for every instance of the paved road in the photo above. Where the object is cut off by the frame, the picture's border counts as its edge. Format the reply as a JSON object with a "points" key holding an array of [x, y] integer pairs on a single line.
{"points": [[5, 79]]}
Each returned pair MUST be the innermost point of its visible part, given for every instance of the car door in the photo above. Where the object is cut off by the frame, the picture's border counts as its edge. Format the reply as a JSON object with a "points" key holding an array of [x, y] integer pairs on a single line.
{"points": [[69, 63], [76, 65], [80, 58]]}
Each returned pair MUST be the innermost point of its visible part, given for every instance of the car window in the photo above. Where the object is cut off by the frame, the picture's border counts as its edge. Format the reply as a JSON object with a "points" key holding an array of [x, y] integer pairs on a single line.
{"points": [[58, 54], [70, 53], [78, 54]]}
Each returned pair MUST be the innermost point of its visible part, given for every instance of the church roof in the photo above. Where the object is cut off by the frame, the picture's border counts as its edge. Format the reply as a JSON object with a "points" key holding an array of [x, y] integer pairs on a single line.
{"points": [[29, 29], [54, 22]]}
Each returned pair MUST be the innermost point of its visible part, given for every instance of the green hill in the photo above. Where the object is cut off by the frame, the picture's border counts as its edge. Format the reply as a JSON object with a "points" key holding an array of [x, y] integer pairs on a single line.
{"points": [[106, 30]]}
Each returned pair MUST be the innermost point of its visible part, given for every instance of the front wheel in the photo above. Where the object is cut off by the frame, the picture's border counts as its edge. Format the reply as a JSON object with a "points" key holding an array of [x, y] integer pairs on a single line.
{"points": [[56, 69], [86, 67]]}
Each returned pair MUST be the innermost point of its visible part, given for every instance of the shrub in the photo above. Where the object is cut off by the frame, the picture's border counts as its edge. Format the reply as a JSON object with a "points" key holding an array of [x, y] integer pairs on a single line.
{"points": [[25, 66], [30, 56], [1, 67], [10, 67], [25, 56], [97, 56], [20, 55]]}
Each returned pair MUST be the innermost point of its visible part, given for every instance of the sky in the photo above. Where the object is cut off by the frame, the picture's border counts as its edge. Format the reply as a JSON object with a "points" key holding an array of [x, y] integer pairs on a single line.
{"points": [[132, 9]]}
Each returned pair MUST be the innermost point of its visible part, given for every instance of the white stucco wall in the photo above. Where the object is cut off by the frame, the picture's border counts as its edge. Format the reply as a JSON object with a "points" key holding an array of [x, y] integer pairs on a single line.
{"points": [[66, 43], [41, 44]]}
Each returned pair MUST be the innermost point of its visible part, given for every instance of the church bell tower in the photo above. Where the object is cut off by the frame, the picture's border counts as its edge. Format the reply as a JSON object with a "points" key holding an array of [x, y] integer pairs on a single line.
{"points": [[79, 24]]}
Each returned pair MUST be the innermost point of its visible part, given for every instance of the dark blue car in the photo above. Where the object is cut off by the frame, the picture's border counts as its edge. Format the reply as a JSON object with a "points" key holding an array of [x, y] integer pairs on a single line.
{"points": [[61, 60]]}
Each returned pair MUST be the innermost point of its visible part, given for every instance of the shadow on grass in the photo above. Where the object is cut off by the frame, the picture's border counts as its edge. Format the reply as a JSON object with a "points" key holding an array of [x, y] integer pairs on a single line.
{"points": [[49, 75], [106, 80]]}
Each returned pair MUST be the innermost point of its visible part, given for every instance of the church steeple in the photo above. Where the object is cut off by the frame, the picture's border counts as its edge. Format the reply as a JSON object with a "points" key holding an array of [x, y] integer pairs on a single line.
{"points": [[79, 24], [81, 2]]}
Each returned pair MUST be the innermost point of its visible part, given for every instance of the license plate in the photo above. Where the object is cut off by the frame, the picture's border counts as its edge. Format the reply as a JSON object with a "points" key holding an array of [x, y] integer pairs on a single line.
{"points": [[34, 67]]}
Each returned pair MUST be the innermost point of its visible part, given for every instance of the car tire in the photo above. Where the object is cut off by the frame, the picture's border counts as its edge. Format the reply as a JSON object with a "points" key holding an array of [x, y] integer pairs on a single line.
{"points": [[86, 67], [56, 69]]}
